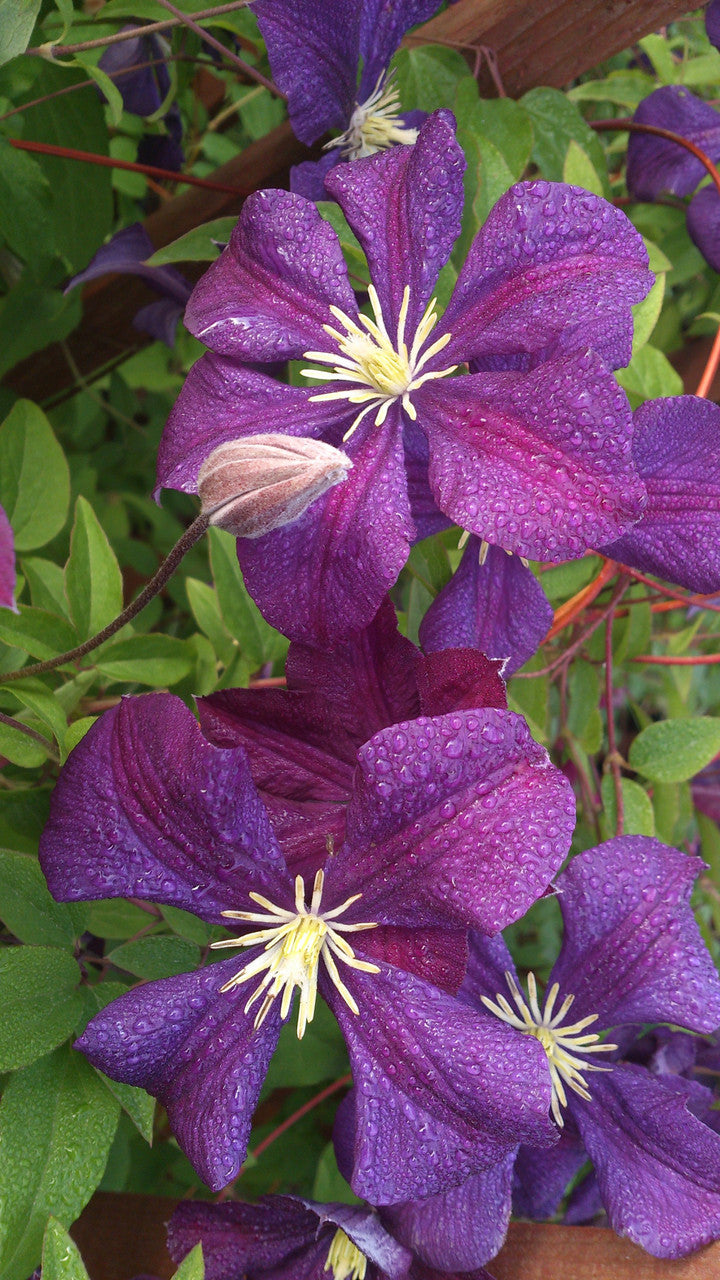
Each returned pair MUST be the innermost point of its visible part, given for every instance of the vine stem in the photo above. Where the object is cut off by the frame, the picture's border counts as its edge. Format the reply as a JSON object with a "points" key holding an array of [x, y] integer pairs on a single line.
{"points": [[187, 540], [41, 50], [227, 54], [667, 660], [315, 1101], [108, 162], [571, 609]]}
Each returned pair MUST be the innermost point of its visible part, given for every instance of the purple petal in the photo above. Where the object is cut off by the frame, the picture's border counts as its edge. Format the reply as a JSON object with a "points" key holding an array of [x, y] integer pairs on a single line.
{"points": [[676, 452], [197, 1051], [126, 252], [238, 1238], [488, 962], [459, 1229], [314, 52], [459, 820], [584, 1204], [404, 206], [712, 22], [7, 564], [439, 956], [703, 224], [269, 293], [222, 400], [323, 577], [458, 680], [160, 320], [654, 164], [658, 1167], [632, 950], [539, 463], [441, 1092], [552, 265], [542, 1177], [498, 607], [308, 178], [146, 807], [383, 25], [143, 90], [425, 512], [365, 1230]]}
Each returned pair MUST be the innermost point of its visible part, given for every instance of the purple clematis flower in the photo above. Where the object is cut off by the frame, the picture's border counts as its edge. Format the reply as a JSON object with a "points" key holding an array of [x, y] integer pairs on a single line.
{"points": [[302, 742], [493, 603], [7, 564], [632, 953], [532, 452], [144, 89], [456, 821], [712, 22], [675, 448], [285, 1238], [316, 49], [127, 251]]}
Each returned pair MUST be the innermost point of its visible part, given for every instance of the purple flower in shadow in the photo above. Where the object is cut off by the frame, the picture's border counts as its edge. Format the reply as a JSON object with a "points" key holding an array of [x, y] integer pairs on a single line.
{"points": [[7, 564], [127, 252], [284, 1238], [317, 50], [455, 821], [144, 89], [632, 953], [531, 452]]}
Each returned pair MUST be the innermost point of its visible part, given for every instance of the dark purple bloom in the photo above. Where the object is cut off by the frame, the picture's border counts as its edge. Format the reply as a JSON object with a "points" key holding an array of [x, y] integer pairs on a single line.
{"points": [[127, 251], [144, 89], [712, 22], [703, 224], [7, 564], [493, 603], [455, 821], [302, 742], [676, 452], [655, 164], [706, 790], [284, 1238], [316, 50], [632, 953], [535, 460]]}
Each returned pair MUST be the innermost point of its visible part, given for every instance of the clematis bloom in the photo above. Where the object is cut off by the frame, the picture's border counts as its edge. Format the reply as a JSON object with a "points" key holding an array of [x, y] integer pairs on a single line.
{"points": [[456, 821], [532, 451]]}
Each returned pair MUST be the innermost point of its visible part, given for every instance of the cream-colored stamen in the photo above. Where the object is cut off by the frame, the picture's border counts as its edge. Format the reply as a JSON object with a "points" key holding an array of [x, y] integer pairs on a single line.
{"points": [[295, 943], [386, 371], [565, 1047], [345, 1259], [375, 124]]}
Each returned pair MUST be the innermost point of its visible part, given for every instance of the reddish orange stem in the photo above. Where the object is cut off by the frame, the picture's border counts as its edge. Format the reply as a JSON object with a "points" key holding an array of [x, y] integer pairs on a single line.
{"points": [[342, 1083], [108, 162], [666, 660], [573, 607]]}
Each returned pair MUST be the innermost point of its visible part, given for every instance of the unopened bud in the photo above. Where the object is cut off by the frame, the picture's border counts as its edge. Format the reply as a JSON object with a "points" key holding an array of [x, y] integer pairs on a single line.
{"points": [[258, 483]]}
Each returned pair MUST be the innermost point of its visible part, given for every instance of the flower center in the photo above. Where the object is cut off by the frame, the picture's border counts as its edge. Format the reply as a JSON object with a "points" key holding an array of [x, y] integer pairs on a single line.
{"points": [[387, 371], [375, 124], [566, 1047], [294, 944], [345, 1259]]}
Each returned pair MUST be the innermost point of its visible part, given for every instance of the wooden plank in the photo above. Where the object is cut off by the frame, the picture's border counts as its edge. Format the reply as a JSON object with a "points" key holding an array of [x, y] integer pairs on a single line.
{"points": [[547, 42], [124, 1235]]}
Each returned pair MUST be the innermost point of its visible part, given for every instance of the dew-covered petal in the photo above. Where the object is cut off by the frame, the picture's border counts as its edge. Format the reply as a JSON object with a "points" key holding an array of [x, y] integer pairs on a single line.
{"points": [[539, 463], [366, 1231], [632, 950], [428, 517], [323, 577], [268, 295], [497, 606], [404, 206], [456, 820], [488, 961], [459, 1229], [655, 164], [552, 266], [146, 807], [239, 1238], [308, 178], [657, 1165], [222, 400], [703, 224], [314, 52], [7, 564], [382, 26], [194, 1048], [126, 252], [542, 1177], [441, 1091], [437, 955], [676, 452], [458, 680]]}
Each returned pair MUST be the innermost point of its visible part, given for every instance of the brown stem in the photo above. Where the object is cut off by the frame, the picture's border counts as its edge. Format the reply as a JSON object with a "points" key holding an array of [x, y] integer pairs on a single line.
{"points": [[226, 53], [41, 50], [108, 162], [149, 591]]}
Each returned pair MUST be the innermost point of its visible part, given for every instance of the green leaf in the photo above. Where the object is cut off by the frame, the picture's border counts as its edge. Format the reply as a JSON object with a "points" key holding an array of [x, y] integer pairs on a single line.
{"points": [[355, 258], [675, 750], [137, 1104], [428, 76], [41, 1003], [196, 245], [556, 123], [638, 816], [186, 925], [41, 634], [27, 908], [565, 580], [34, 476], [31, 317], [192, 1266], [60, 1255], [579, 170], [47, 584], [153, 659], [107, 87], [75, 733], [320, 1055], [621, 88], [584, 719], [648, 376], [329, 1185], [34, 694], [115, 918], [93, 580], [646, 313], [25, 201], [156, 957], [21, 749], [206, 612], [497, 139], [57, 1121], [17, 19], [257, 640]]}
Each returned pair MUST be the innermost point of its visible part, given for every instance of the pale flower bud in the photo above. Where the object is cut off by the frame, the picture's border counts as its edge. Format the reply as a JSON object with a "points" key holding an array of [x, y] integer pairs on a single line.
{"points": [[262, 482]]}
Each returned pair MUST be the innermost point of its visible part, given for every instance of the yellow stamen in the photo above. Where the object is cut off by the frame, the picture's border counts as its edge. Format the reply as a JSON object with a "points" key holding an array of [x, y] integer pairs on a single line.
{"points": [[375, 124], [345, 1259]]}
